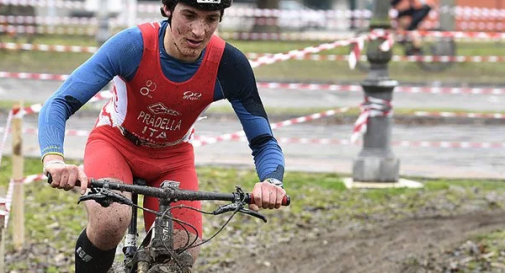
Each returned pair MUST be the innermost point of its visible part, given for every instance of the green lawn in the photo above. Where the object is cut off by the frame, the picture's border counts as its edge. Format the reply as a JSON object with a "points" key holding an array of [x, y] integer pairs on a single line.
{"points": [[293, 70], [53, 219]]}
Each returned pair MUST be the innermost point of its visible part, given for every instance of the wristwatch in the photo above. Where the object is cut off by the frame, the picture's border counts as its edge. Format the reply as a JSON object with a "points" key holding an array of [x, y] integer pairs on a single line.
{"points": [[275, 182]]}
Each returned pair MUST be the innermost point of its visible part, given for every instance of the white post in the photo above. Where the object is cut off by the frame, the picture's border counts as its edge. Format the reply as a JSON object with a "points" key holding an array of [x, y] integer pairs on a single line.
{"points": [[18, 202], [132, 13], [51, 12]]}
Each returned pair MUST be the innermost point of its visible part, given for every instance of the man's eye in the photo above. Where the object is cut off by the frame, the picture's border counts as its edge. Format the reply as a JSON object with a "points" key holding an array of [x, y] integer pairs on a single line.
{"points": [[212, 19]]}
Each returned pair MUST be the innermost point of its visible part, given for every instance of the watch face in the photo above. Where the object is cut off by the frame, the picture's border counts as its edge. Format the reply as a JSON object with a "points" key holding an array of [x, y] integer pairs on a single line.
{"points": [[274, 181]]}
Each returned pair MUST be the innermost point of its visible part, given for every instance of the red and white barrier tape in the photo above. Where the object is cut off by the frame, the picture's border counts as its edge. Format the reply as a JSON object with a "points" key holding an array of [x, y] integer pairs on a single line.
{"points": [[480, 26], [33, 131], [459, 11], [372, 107], [35, 108], [396, 58], [32, 76], [84, 133], [48, 30], [477, 12], [6, 134], [421, 144], [204, 140], [252, 55], [305, 86], [316, 116], [398, 89], [49, 48], [68, 21], [296, 53], [74, 5], [45, 3], [209, 140], [359, 43], [8, 202], [458, 34], [331, 22], [459, 115]]}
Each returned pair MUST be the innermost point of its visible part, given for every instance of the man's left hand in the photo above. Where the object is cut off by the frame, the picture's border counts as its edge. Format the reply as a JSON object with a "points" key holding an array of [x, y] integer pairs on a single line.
{"points": [[267, 196]]}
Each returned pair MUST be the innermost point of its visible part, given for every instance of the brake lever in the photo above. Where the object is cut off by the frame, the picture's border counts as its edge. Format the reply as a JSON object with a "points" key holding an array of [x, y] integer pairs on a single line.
{"points": [[105, 198], [253, 214], [227, 208]]}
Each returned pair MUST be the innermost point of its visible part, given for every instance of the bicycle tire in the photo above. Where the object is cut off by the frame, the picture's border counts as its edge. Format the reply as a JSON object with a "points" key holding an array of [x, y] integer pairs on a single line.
{"points": [[437, 47], [117, 268]]}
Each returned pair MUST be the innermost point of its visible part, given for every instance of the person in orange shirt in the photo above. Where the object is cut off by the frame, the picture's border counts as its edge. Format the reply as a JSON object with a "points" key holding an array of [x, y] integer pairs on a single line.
{"points": [[417, 10]]}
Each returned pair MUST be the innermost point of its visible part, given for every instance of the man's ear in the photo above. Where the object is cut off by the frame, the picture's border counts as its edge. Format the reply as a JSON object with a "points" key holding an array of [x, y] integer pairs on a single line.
{"points": [[166, 10]]}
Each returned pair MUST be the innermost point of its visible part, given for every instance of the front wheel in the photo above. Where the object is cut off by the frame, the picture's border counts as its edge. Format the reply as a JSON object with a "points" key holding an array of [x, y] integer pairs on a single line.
{"points": [[168, 268], [442, 49]]}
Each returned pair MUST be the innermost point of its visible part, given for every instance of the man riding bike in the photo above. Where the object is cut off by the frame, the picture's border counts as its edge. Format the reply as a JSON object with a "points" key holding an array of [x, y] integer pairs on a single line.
{"points": [[165, 75], [410, 14]]}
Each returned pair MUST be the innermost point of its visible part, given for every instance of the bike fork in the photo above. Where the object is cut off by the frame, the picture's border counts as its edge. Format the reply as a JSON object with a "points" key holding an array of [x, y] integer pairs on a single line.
{"points": [[130, 244]]}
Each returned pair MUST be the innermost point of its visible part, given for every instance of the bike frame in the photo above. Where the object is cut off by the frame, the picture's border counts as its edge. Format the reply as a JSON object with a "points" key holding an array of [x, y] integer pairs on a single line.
{"points": [[161, 247], [153, 257]]}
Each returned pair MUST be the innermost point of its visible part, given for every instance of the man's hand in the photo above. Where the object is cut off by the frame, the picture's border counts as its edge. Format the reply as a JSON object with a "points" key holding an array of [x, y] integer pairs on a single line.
{"points": [[267, 196], [64, 175]]}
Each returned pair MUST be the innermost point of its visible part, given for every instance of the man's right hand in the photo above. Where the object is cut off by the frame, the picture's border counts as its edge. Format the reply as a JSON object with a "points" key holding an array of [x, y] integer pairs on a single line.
{"points": [[64, 176]]}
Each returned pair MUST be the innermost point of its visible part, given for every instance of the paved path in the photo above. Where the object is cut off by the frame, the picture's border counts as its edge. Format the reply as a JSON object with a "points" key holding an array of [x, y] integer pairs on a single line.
{"points": [[415, 161]]}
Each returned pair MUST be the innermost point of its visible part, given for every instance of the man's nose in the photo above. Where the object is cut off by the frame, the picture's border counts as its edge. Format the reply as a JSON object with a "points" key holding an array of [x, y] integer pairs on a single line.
{"points": [[199, 29]]}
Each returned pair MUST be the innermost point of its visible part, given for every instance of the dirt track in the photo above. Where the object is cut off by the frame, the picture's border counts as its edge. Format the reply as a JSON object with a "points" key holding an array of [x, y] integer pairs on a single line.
{"points": [[382, 248]]}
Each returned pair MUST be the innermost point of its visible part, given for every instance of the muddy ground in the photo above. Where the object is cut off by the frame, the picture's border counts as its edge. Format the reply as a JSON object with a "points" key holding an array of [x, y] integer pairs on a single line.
{"points": [[417, 231], [407, 246]]}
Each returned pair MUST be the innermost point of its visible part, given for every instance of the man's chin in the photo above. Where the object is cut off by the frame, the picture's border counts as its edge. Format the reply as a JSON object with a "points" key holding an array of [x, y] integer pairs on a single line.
{"points": [[192, 54]]}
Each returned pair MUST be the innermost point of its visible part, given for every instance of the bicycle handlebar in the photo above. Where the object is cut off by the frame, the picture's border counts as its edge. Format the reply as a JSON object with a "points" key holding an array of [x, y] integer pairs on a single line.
{"points": [[177, 194]]}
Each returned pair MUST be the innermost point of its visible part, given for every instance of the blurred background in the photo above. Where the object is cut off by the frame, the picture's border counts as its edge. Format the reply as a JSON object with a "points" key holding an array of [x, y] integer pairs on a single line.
{"points": [[448, 103], [310, 59]]}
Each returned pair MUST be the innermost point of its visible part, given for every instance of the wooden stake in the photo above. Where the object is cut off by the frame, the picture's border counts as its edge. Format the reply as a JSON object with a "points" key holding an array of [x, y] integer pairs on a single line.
{"points": [[18, 211], [3, 207]]}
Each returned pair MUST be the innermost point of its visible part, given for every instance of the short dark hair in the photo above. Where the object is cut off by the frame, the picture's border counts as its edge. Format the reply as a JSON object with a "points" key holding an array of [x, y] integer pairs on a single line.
{"points": [[172, 3]]}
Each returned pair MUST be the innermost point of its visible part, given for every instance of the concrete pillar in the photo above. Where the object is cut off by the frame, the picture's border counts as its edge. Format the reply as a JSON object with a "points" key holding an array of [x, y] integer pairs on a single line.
{"points": [[376, 161], [103, 32], [447, 14], [352, 19]]}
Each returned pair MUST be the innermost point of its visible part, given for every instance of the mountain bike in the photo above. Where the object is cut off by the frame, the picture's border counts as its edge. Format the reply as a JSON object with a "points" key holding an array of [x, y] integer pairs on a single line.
{"points": [[435, 55], [156, 253]]}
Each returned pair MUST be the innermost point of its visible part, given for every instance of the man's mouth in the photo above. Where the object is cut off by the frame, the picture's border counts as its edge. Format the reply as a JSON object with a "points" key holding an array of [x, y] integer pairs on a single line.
{"points": [[194, 43]]}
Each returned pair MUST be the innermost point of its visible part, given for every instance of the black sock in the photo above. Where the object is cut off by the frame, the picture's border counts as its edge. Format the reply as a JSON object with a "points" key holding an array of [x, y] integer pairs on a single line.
{"points": [[89, 258]]}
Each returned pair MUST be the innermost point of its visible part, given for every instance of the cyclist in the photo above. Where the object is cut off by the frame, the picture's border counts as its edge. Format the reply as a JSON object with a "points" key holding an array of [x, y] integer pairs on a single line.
{"points": [[165, 75], [416, 11]]}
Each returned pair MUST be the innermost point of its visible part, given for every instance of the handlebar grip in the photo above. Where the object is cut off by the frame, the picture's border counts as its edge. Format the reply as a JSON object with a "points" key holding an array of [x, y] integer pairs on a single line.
{"points": [[50, 180], [286, 201]]}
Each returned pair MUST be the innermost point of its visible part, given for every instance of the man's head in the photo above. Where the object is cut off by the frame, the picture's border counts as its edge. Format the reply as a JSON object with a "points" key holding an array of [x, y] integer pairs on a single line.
{"points": [[192, 24]]}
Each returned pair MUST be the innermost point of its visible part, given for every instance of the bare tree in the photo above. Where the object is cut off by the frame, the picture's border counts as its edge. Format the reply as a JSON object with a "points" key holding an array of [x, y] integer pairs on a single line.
{"points": [[260, 25], [19, 10]]}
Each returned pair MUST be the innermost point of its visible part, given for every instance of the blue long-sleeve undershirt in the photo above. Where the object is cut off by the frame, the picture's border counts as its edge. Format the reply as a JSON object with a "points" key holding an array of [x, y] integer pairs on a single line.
{"points": [[121, 55]]}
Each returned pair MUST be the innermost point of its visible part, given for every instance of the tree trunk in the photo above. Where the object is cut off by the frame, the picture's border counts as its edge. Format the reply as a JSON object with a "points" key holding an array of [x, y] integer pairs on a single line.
{"points": [[260, 22]]}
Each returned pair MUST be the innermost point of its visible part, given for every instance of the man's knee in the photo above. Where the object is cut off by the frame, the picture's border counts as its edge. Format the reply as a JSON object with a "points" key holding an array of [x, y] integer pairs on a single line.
{"points": [[180, 240], [106, 226]]}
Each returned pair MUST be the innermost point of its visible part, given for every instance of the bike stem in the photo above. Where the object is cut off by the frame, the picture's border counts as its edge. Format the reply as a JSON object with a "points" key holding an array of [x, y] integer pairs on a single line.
{"points": [[163, 227]]}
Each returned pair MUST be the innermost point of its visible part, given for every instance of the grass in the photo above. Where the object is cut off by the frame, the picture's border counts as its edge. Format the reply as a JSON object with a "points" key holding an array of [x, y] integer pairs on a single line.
{"points": [[293, 70], [53, 218]]}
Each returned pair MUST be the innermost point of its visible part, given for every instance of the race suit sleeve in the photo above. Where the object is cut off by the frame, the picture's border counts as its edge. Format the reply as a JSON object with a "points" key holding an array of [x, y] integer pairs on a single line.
{"points": [[238, 84], [120, 55]]}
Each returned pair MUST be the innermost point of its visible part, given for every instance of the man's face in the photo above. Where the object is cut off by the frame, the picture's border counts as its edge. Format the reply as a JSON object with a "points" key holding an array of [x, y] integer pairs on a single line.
{"points": [[191, 30]]}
